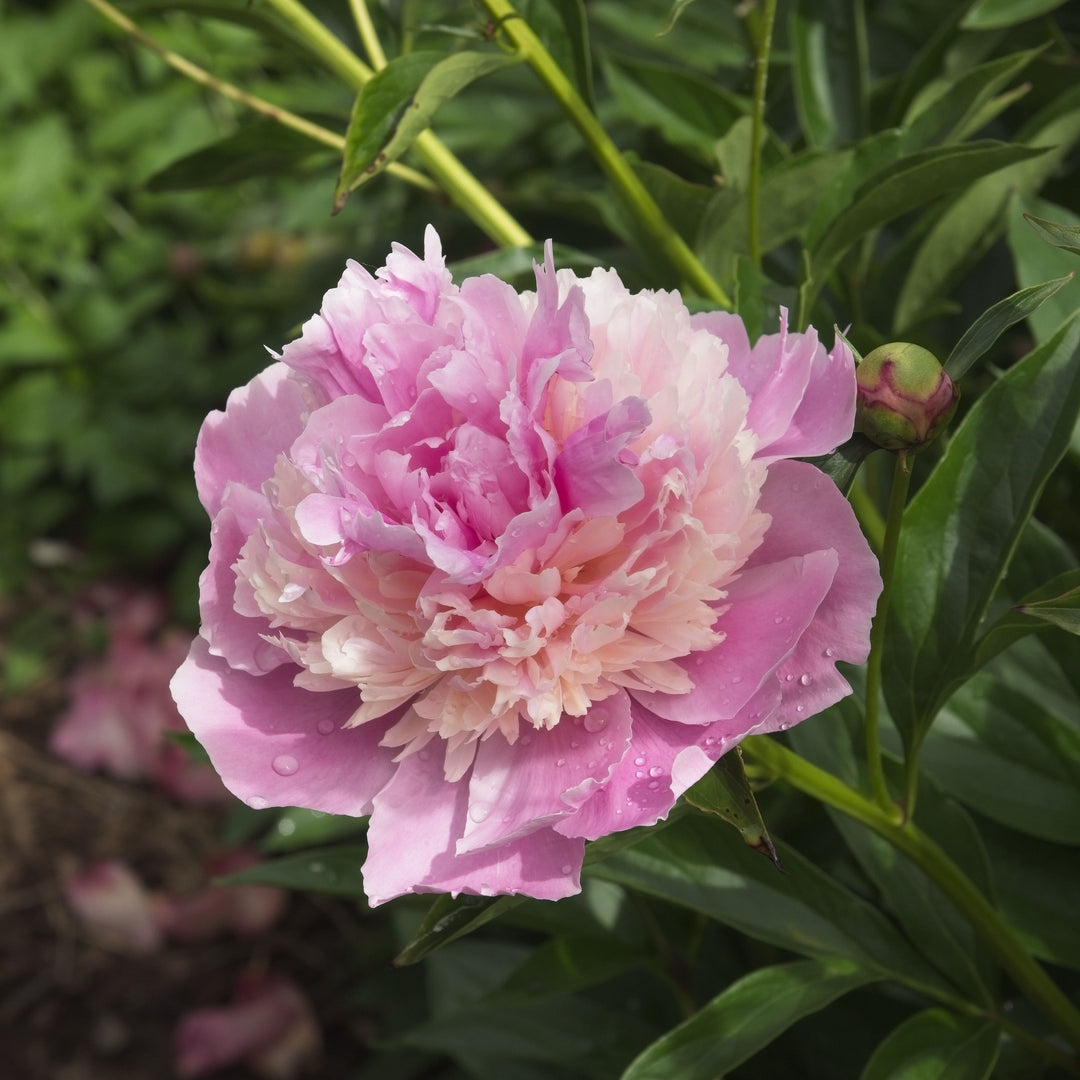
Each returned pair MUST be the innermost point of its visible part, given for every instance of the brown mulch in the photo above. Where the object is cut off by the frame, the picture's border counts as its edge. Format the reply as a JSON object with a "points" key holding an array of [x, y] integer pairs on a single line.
{"points": [[71, 1010]]}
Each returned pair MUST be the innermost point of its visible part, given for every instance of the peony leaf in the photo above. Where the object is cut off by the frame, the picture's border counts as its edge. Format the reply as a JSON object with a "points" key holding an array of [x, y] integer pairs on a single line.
{"points": [[842, 465], [677, 9], [979, 338], [829, 69], [745, 1018], [944, 936], [1038, 892], [725, 792], [300, 828], [999, 14], [936, 1045], [1035, 260], [259, 148], [906, 184], [334, 870], [703, 866], [567, 963], [1011, 731], [975, 219], [1062, 236], [450, 918], [399, 103], [960, 530]]}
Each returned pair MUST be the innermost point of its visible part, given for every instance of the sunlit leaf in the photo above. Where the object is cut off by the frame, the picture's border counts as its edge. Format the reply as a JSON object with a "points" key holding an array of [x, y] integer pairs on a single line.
{"points": [[937, 1045]]}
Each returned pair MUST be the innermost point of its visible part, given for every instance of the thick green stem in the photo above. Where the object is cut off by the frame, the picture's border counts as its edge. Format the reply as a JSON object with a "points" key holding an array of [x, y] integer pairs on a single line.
{"points": [[366, 29], [873, 524], [757, 137], [1029, 976], [606, 153], [452, 177], [897, 501]]}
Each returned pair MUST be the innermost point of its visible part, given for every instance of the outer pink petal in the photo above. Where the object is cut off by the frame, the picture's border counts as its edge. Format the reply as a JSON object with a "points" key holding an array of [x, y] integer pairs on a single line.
{"points": [[277, 745], [416, 823], [545, 775], [807, 512], [802, 399], [241, 444], [769, 609]]}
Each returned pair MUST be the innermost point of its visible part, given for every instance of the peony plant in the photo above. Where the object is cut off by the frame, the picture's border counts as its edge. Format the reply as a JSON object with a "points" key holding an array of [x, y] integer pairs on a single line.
{"points": [[510, 571]]}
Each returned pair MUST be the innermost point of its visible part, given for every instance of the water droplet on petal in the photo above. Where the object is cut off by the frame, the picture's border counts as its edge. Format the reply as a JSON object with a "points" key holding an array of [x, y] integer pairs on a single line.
{"points": [[806, 680], [574, 744], [736, 679], [654, 784], [285, 765], [778, 620], [486, 889], [709, 740], [561, 762], [799, 708], [325, 726], [640, 774], [257, 802], [784, 726], [830, 653], [789, 677], [566, 869], [656, 771], [639, 761], [594, 721], [479, 812], [473, 399]]}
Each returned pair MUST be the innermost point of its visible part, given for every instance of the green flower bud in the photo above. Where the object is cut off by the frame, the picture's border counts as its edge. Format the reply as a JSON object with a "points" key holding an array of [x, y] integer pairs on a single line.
{"points": [[904, 396]]}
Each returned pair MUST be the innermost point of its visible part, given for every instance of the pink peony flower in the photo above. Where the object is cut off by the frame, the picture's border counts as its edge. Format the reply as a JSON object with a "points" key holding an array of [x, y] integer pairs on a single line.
{"points": [[114, 907], [510, 571]]}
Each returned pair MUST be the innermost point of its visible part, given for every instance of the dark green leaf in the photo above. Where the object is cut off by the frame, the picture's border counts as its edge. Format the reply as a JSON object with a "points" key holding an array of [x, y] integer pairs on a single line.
{"points": [[999, 14], [399, 103], [906, 184], [575, 33], [300, 828], [829, 76], [1036, 260], [979, 338], [1062, 611], [259, 148], [333, 870], [960, 530], [703, 865], [1008, 745], [1062, 236], [450, 918], [975, 219], [725, 792], [952, 108], [943, 935], [1038, 892], [842, 465], [744, 1019], [691, 112], [567, 963], [936, 1045]]}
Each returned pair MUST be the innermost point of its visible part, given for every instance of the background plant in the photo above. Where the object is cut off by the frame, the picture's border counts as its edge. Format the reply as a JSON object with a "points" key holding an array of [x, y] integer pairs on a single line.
{"points": [[157, 233]]}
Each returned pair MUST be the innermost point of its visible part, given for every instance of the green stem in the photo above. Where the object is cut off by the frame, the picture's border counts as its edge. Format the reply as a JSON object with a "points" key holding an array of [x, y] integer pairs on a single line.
{"points": [[757, 137], [366, 29], [606, 153], [908, 838], [454, 179], [873, 524], [234, 93], [897, 501]]}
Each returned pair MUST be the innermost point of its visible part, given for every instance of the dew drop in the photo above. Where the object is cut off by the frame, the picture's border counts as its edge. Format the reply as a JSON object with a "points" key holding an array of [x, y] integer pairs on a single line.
{"points": [[806, 680], [830, 653], [736, 679], [574, 744], [566, 868], [594, 721], [325, 726], [656, 771], [257, 802], [778, 620], [654, 784], [479, 812], [799, 708], [784, 726], [640, 774], [561, 762], [639, 761], [285, 765], [286, 826], [709, 740], [473, 399], [789, 677], [698, 661]]}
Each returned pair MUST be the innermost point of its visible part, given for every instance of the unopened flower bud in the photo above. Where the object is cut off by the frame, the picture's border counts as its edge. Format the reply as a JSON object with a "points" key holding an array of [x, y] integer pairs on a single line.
{"points": [[905, 396]]}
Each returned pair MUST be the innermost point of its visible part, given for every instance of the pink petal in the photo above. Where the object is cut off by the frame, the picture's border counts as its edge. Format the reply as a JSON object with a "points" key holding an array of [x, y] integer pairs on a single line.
{"points": [[114, 907], [769, 607], [545, 775], [270, 1021], [808, 511], [277, 745], [417, 821], [241, 444]]}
